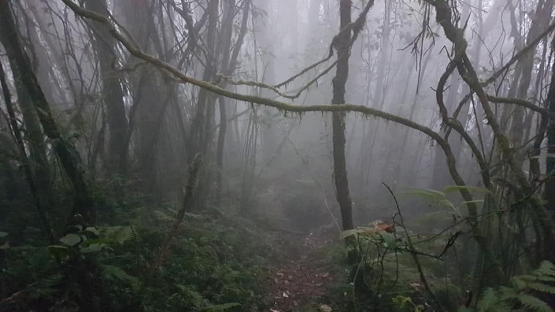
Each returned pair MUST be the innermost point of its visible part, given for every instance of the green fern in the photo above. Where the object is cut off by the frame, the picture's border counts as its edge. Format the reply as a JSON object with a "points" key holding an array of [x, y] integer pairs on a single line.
{"points": [[533, 303], [116, 273], [520, 296], [221, 307], [120, 234]]}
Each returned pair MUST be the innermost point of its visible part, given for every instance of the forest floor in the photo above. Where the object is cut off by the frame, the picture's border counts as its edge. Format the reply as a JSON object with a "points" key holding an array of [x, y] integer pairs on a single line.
{"points": [[303, 277]]}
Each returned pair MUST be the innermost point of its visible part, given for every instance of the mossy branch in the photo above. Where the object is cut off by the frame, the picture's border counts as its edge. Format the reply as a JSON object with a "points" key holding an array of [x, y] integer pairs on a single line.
{"points": [[282, 106]]}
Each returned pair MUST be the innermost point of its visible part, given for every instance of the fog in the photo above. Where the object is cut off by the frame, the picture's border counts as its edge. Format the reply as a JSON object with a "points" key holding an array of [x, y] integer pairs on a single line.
{"points": [[116, 110]]}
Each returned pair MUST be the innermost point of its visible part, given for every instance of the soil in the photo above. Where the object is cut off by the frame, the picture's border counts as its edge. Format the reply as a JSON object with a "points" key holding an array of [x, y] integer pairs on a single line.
{"points": [[302, 276]]}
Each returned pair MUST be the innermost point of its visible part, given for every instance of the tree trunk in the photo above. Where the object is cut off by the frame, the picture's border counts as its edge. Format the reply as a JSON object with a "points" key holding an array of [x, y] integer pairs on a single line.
{"points": [[151, 90], [549, 194], [41, 204], [105, 45], [228, 67], [65, 151], [338, 119], [539, 22]]}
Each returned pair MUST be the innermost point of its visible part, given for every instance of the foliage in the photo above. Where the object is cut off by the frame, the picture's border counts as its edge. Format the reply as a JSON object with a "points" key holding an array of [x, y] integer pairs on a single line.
{"points": [[406, 302], [525, 292], [213, 267]]}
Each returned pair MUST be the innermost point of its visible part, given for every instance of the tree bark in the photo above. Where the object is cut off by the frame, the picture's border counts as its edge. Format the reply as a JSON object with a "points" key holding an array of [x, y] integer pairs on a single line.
{"points": [[41, 204], [112, 91], [228, 67], [549, 194], [338, 118], [65, 151]]}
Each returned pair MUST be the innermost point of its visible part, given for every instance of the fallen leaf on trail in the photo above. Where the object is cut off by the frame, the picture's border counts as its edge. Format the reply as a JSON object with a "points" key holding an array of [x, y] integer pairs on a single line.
{"points": [[325, 274], [384, 226], [276, 280], [285, 295], [280, 274], [325, 308], [415, 285], [319, 284], [272, 310]]}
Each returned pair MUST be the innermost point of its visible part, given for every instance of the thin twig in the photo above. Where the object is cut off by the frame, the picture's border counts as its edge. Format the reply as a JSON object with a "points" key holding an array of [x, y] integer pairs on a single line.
{"points": [[411, 247]]}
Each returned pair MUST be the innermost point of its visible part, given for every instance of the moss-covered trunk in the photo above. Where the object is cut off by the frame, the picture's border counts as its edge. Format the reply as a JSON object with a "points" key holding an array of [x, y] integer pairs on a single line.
{"points": [[338, 118]]}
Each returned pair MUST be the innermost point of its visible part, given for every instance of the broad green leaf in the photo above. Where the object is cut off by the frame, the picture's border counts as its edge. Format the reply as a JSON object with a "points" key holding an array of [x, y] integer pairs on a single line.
{"points": [[445, 202], [429, 194], [389, 239], [71, 239], [456, 188], [93, 230]]}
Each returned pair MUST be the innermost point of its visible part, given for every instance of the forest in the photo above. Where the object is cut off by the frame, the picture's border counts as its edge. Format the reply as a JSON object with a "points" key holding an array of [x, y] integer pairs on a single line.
{"points": [[277, 155]]}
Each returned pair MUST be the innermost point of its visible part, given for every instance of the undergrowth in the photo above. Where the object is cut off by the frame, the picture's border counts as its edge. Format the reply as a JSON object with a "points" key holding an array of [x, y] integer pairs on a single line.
{"points": [[215, 264]]}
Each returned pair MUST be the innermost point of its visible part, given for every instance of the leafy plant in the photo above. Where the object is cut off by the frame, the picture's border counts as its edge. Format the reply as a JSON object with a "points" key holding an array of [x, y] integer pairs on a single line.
{"points": [[402, 302], [523, 294], [91, 240]]}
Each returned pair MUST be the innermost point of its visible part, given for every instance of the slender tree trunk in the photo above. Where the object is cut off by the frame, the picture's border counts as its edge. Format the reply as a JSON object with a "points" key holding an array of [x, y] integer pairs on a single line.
{"points": [[105, 45], [228, 67], [66, 152], [41, 204], [338, 119], [549, 194], [33, 135], [540, 20]]}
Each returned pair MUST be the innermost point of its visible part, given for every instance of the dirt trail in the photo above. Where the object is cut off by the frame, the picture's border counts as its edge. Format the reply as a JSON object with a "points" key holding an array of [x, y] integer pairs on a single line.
{"points": [[302, 277]]}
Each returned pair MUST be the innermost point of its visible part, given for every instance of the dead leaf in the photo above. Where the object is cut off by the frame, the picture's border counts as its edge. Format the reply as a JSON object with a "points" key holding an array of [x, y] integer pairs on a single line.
{"points": [[415, 285], [285, 295], [276, 280], [280, 274], [325, 308], [325, 274]]}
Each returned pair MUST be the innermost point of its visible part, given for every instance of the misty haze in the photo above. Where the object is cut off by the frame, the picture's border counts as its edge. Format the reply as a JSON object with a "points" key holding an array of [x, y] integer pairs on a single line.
{"points": [[277, 155]]}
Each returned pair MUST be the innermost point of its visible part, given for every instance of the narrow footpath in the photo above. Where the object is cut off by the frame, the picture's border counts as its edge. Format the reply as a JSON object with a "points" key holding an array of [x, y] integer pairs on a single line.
{"points": [[302, 277]]}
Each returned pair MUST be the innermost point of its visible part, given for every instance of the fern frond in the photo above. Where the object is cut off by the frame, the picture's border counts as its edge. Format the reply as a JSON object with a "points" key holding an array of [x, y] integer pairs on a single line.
{"points": [[546, 267], [504, 298], [120, 234], [533, 303], [221, 307], [542, 287], [489, 299], [114, 272]]}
